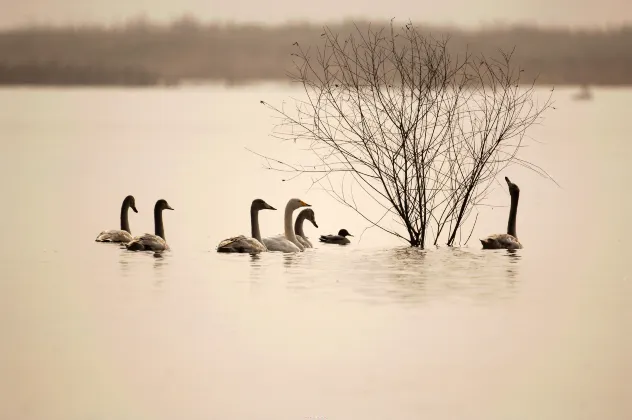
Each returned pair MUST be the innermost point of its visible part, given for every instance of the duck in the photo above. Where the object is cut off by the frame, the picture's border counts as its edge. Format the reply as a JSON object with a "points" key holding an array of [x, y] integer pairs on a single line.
{"points": [[340, 238]]}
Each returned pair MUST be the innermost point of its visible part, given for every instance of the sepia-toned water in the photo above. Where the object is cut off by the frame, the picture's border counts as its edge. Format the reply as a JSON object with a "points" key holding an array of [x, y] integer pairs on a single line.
{"points": [[373, 330]]}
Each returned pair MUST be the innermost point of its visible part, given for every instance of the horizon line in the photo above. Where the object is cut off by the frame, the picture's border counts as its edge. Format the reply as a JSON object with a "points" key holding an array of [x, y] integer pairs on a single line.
{"points": [[142, 20]]}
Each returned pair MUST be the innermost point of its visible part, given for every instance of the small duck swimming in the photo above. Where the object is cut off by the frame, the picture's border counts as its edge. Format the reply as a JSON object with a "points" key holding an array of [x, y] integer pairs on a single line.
{"points": [[340, 238]]}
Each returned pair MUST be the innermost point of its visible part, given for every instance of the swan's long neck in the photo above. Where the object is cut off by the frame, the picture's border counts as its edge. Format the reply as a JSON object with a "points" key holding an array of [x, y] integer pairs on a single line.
{"points": [[298, 225], [289, 232], [159, 227], [124, 221], [254, 224], [511, 225]]}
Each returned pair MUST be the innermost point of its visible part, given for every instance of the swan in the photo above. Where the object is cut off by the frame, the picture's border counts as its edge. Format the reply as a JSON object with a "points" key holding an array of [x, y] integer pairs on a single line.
{"points": [[340, 238], [288, 241], [124, 234], [298, 226], [241, 243], [149, 242], [507, 240]]}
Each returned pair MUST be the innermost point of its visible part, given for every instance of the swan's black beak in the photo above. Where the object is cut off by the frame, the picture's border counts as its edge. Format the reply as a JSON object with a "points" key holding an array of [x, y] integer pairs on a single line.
{"points": [[270, 207], [170, 208], [314, 223], [508, 181], [134, 208]]}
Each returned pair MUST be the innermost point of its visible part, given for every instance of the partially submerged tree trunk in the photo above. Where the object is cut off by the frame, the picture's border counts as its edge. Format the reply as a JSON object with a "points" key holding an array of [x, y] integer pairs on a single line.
{"points": [[420, 131]]}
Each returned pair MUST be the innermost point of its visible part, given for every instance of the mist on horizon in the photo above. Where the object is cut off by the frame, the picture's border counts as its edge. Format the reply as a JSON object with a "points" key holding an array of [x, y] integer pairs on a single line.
{"points": [[59, 42], [606, 13]]}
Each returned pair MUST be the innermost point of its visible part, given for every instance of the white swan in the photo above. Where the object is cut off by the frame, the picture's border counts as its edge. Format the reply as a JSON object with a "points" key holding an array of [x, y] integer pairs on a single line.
{"points": [[149, 242], [306, 214], [124, 234], [241, 243], [507, 240], [288, 241]]}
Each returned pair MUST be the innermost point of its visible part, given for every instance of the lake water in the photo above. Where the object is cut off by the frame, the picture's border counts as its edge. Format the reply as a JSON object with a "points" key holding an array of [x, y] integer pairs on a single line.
{"points": [[373, 330]]}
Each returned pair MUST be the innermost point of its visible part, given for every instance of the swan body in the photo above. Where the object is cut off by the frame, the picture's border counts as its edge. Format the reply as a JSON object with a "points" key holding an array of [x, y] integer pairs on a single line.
{"points": [[243, 244], [306, 214], [155, 242], [501, 241], [124, 234], [281, 244], [287, 242], [147, 242], [340, 238], [304, 241], [114, 236], [507, 240]]}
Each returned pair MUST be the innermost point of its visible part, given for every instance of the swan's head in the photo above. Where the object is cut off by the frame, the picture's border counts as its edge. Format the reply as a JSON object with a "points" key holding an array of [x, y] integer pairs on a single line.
{"points": [[309, 215], [344, 233], [297, 203], [513, 188], [131, 202], [162, 205], [259, 204]]}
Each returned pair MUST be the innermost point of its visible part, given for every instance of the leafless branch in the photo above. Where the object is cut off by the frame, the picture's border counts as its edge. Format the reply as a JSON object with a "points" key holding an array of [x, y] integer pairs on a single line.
{"points": [[422, 132]]}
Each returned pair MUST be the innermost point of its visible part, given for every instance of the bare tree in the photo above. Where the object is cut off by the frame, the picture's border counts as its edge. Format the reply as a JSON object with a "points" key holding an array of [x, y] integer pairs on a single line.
{"points": [[419, 130]]}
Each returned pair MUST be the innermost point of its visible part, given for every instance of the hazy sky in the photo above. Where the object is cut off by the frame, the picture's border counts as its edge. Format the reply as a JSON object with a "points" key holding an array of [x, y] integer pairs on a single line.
{"points": [[464, 13]]}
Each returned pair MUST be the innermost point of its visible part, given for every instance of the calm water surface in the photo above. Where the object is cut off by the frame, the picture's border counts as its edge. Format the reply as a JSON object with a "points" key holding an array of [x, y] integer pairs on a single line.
{"points": [[373, 330]]}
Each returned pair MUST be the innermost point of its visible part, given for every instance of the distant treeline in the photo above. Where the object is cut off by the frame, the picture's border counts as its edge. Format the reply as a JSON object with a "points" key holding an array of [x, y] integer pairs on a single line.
{"points": [[52, 73], [142, 53]]}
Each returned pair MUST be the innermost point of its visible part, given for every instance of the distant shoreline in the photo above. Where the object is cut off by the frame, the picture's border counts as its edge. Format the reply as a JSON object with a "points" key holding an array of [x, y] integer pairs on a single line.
{"points": [[214, 84], [147, 54]]}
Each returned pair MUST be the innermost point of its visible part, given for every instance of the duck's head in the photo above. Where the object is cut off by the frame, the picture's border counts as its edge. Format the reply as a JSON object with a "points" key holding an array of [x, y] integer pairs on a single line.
{"points": [[131, 202], [162, 205], [344, 233], [309, 215], [513, 188], [297, 203], [259, 204]]}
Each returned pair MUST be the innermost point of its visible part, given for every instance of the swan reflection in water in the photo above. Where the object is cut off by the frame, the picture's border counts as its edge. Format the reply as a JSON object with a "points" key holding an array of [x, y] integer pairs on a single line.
{"points": [[257, 268], [132, 264], [397, 275], [414, 275], [514, 258]]}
